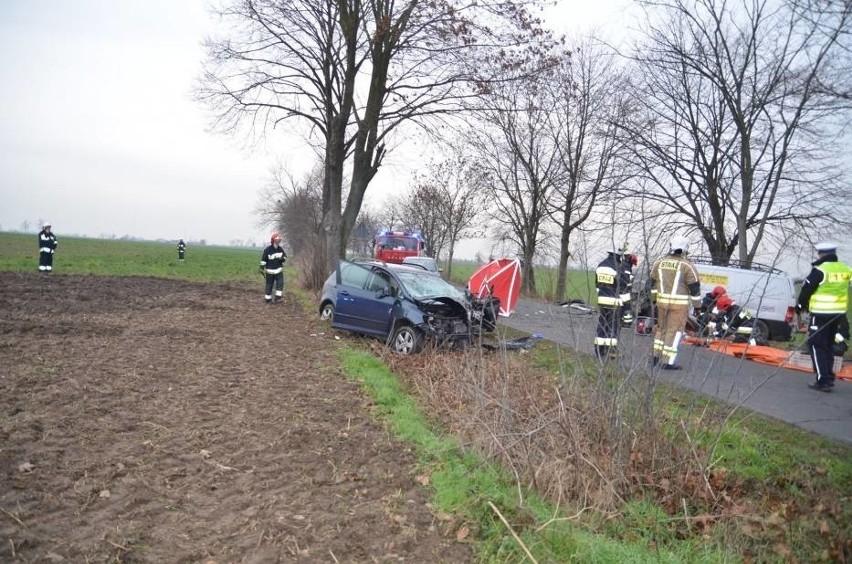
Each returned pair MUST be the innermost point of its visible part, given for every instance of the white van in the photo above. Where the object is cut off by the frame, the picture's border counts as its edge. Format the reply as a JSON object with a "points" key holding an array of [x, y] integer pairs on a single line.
{"points": [[765, 291]]}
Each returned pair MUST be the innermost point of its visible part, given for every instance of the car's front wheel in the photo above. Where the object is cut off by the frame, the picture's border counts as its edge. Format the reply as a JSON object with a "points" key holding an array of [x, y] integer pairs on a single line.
{"points": [[327, 312], [406, 340]]}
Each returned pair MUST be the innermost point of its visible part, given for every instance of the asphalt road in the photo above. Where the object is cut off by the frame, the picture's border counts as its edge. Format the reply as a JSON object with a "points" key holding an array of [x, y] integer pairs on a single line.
{"points": [[777, 392]]}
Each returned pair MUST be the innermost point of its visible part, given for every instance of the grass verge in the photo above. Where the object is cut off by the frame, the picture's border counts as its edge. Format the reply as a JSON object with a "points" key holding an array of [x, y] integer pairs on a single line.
{"points": [[509, 523]]}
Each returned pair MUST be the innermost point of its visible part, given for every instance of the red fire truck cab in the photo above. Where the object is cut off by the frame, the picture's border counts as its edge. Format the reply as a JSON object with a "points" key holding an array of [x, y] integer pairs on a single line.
{"points": [[394, 246]]}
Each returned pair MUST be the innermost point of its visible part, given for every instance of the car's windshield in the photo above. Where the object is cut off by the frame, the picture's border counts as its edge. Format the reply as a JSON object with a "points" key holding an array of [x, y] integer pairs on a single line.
{"points": [[397, 242], [422, 285]]}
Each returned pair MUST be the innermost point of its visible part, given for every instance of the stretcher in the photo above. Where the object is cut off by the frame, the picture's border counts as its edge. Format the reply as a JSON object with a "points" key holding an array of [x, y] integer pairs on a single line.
{"points": [[794, 360]]}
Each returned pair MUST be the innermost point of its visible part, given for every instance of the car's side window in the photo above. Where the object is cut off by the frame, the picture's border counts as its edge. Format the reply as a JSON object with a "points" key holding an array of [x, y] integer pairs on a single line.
{"points": [[354, 275], [392, 284], [379, 281]]}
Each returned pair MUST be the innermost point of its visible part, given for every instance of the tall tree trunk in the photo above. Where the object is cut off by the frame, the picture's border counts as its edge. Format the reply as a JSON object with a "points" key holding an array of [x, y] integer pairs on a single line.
{"points": [[562, 269], [331, 196]]}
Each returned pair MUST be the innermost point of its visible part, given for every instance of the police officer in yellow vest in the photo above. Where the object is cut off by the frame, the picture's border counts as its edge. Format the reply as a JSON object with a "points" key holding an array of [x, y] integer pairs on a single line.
{"points": [[825, 294], [675, 289]]}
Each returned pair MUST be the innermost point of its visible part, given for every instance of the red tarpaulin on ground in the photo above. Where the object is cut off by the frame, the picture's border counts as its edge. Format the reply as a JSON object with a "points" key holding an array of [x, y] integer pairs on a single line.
{"points": [[793, 360], [500, 278]]}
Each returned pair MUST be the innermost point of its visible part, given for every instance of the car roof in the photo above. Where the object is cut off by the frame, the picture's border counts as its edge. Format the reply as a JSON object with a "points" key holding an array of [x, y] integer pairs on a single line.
{"points": [[421, 262], [418, 259], [393, 266]]}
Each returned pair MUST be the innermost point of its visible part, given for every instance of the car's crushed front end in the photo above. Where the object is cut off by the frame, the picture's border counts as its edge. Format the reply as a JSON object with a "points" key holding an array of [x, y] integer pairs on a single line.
{"points": [[453, 322], [445, 321]]}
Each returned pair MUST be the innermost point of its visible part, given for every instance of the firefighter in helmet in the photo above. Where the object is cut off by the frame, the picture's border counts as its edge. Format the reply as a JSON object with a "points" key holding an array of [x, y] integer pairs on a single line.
{"points": [[612, 283], [47, 244], [732, 321], [675, 288], [706, 318], [272, 266]]}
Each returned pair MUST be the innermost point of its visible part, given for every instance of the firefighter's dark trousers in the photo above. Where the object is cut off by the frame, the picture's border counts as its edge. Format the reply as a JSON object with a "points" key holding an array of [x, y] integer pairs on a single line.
{"points": [[606, 336], [276, 280], [45, 261]]}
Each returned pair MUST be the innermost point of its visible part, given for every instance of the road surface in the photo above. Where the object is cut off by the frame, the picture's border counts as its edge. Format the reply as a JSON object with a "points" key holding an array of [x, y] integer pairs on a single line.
{"points": [[777, 392]]}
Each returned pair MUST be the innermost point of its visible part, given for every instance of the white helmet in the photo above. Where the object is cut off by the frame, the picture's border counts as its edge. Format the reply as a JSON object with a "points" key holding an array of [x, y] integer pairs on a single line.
{"points": [[679, 244]]}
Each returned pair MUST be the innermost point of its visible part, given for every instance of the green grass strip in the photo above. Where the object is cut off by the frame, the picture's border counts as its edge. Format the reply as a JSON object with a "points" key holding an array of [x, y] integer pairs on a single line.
{"points": [[464, 484]]}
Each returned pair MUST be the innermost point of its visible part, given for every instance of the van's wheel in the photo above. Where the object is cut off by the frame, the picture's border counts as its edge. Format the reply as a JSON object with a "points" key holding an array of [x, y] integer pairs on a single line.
{"points": [[327, 312], [406, 340], [760, 332]]}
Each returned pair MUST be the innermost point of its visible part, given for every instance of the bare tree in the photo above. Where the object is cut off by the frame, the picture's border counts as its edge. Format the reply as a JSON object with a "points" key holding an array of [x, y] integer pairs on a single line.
{"points": [[363, 236], [683, 142], [589, 93], [356, 70], [740, 108], [292, 207], [826, 17], [390, 216], [421, 209], [517, 154], [445, 204]]}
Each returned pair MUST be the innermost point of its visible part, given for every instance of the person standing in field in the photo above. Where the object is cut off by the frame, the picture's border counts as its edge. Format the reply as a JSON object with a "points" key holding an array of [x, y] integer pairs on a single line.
{"points": [[825, 294], [181, 250], [674, 288], [47, 244], [272, 266]]}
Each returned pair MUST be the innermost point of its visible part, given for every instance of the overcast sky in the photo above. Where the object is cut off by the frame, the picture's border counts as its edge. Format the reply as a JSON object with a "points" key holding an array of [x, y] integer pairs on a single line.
{"points": [[100, 136]]}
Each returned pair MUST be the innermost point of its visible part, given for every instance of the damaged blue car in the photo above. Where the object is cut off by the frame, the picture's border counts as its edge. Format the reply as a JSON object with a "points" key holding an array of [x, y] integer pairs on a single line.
{"points": [[406, 306]]}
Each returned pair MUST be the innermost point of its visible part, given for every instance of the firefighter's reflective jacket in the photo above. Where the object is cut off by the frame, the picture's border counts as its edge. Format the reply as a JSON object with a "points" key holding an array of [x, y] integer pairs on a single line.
{"points": [[273, 259], [612, 282], [675, 282]]}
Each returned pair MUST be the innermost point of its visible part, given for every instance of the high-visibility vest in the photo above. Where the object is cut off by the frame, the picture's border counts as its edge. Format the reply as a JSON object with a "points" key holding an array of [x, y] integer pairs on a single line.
{"points": [[832, 294]]}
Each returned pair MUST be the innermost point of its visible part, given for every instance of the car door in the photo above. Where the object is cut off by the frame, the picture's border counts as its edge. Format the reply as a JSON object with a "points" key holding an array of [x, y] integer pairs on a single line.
{"points": [[377, 306], [363, 302], [351, 279]]}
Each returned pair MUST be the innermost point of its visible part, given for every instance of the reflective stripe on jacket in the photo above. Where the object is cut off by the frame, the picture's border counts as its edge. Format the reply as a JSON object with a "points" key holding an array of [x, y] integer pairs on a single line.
{"points": [[675, 281], [612, 283], [47, 242], [272, 260]]}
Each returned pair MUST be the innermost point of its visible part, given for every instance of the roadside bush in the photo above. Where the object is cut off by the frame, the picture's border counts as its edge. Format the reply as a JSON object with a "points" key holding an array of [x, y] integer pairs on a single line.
{"points": [[312, 267], [611, 448]]}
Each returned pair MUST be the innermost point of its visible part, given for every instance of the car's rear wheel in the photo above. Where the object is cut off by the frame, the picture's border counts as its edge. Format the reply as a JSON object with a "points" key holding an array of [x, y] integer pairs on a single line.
{"points": [[327, 312], [760, 332], [406, 340]]}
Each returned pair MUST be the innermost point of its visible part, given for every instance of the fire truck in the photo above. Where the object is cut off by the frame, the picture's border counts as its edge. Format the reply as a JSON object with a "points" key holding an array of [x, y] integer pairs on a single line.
{"points": [[394, 246]]}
